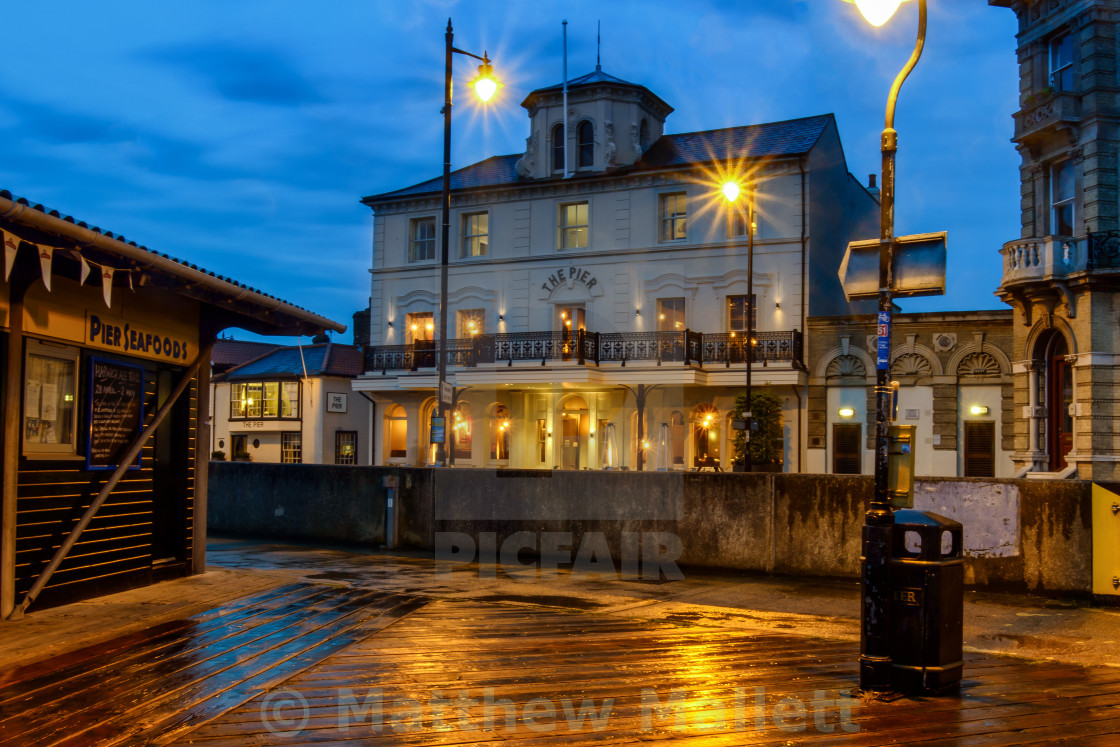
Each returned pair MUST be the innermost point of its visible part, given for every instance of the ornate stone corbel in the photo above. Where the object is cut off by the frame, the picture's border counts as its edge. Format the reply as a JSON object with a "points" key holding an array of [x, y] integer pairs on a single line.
{"points": [[1069, 298]]}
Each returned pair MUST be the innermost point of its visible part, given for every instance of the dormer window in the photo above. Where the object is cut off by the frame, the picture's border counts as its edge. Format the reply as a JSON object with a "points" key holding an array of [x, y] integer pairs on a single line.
{"points": [[586, 135], [558, 148]]}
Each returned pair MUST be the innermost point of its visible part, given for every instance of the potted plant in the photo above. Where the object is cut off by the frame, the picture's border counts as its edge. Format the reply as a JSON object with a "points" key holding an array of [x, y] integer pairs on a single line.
{"points": [[766, 433], [218, 455], [242, 456]]}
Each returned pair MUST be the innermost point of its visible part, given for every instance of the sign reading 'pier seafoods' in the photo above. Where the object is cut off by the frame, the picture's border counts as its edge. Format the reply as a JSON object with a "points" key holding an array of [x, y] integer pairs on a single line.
{"points": [[129, 338]]}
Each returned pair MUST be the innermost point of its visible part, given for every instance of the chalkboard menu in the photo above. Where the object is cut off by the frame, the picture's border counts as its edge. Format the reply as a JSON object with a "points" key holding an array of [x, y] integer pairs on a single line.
{"points": [[116, 411]]}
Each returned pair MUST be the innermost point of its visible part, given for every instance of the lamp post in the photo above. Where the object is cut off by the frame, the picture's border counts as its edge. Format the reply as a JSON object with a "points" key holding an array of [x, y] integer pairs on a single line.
{"points": [[485, 85], [731, 192], [875, 645]]}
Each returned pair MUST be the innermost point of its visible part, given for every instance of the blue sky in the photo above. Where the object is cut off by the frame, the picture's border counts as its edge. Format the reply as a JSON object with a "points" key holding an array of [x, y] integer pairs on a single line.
{"points": [[241, 134]]}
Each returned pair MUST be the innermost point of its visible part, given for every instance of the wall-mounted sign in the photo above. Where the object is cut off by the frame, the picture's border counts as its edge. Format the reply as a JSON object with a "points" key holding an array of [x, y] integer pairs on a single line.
{"points": [[570, 274], [336, 402], [116, 412], [135, 339]]}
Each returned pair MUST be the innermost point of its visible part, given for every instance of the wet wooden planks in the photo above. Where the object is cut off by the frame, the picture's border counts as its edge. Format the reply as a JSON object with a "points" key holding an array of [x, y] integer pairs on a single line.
{"points": [[170, 677], [460, 672]]}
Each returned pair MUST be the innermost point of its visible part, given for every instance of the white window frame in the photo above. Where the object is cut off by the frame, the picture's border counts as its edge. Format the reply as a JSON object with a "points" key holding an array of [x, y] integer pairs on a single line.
{"points": [[668, 325], [1057, 67], [67, 354], [414, 242], [668, 227], [1057, 204], [287, 451], [564, 229], [477, 241]]}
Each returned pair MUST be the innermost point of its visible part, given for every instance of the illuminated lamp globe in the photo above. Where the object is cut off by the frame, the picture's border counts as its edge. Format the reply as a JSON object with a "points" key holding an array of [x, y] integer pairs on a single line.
{"points": [[730, 191], [485, 85], [877, 12]]}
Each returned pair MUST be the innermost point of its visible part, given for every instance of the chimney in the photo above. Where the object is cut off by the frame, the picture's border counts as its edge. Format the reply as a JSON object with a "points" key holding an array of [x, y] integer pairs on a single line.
{"points": [[871, 186]]}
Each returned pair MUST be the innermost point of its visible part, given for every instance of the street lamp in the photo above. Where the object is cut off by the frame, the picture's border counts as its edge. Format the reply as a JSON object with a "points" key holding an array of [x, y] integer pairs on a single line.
{"points": [[875, 663], [485, 85], [731, 192]]}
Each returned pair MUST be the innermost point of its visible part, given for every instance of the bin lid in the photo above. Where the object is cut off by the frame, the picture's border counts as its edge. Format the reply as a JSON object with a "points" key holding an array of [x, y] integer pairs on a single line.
{"points": [[912, 517]]}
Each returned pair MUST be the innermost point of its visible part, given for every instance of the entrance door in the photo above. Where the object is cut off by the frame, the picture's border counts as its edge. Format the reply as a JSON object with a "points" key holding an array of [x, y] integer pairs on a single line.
{"points": [[573, 439], [170, 475], [1059, 397]]}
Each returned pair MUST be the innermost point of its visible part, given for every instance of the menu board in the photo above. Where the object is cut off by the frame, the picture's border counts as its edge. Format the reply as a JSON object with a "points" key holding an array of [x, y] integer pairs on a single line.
{"points": [[116, 411]]}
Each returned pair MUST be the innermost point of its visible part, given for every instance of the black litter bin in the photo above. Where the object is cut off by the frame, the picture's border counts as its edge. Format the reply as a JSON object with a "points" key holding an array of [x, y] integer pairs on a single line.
{"points": [[927, 602]]}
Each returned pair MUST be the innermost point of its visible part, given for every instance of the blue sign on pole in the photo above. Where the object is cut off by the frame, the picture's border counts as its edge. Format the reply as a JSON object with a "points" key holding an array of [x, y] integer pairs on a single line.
{"points": [[883, 362]]}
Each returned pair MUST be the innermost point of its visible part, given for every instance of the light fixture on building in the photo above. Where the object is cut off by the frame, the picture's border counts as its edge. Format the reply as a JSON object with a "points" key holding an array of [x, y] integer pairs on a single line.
{"points": [[389, 325], [777, 304], [846, 412], [979, 410], [637, 312], [501, 317]]}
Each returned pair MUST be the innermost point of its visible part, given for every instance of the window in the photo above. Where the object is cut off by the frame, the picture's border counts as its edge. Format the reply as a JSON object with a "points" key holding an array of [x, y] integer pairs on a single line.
{"points": [[421, 239], [643, 136], [674, 216], [542, 441], [263, 400], [571, 318], [670, 314], [476, 235], [980, 449], [397, 423], [471, 322], [1061, 63], [461, 431], [571, 232], [586, 135], [737, 222], [737, 309], [49, 399], [1061, 199], [346, 447], [291, 447], [846, 439], [419, 326], [499, 433], [558, 148]]}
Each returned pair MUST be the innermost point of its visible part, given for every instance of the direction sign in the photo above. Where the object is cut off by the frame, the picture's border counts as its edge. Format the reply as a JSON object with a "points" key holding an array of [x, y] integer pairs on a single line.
{"points": [[446, 392], [919, 267]]}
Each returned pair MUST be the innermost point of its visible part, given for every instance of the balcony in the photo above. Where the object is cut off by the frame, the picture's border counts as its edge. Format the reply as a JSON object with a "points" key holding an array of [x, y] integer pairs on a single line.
{"points": [[1027, 260], [1055, 113], [590, 348]]}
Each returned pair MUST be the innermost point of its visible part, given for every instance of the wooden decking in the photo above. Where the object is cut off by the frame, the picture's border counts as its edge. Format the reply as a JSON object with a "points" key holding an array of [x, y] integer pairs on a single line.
{"points": [[310, 664]]}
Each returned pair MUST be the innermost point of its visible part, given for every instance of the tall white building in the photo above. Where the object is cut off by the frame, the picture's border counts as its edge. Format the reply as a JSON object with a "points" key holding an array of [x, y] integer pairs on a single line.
{"points": [[601, 272]]}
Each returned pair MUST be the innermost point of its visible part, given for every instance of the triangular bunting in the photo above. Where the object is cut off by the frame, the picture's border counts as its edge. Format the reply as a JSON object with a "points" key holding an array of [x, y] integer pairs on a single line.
{"points": [[107, 285], [45, 255], [130, 286], [85, 268], [11, 246]]}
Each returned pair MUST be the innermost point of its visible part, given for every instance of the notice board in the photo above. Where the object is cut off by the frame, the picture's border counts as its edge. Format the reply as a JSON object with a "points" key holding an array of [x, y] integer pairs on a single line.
{"points": [[116, 412]]}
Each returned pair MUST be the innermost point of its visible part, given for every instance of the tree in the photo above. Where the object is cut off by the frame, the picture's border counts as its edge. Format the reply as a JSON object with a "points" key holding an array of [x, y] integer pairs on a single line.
{"points": [[767, 440]]}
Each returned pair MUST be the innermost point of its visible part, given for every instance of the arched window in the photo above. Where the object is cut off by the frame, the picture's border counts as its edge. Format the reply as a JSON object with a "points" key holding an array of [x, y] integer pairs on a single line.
{"points": [[586, 137], [643, 136], [461, 427], [706, 436], [558, 148], [499, 433], [397, 426]]}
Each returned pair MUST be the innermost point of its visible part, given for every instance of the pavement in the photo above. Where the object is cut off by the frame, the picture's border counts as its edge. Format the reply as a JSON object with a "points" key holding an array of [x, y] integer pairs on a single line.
{"points": [[1032, 627]]}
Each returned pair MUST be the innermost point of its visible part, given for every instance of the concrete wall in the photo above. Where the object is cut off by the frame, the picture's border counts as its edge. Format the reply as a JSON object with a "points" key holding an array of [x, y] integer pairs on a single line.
{"points": [[1020, 535]]}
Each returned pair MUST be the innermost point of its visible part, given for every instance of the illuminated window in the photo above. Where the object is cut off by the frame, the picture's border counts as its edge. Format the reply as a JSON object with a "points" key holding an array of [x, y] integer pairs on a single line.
{"points": [[421, 239], [461, 426], [737, 309], [346, 447], [263, 400], [674, 216], [476, 235], [49, 399], [471, 322], [670, 314], [397, 425], [500, 425], [419, 326], [586, 134], [571, 231]]}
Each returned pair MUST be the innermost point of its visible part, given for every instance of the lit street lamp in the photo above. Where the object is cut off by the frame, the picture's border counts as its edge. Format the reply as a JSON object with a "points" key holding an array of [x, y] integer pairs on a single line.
{"points": [[485, 85], [875, 665], [731, 192]]}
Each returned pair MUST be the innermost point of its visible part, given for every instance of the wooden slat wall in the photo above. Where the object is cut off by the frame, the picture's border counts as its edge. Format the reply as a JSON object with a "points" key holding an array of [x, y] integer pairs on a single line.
{"points": [[115, 551]]}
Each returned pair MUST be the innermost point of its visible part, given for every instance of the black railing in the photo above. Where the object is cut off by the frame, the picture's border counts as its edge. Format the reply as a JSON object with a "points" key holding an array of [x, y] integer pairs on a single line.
{"points": [[1104, 251], [585, 347]]}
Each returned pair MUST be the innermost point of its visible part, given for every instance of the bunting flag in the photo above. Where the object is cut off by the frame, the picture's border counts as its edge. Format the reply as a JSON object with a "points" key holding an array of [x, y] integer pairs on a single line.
{"points": [[45, 254], [130, 286], [11, 246], [107, 285], [85, 268]]}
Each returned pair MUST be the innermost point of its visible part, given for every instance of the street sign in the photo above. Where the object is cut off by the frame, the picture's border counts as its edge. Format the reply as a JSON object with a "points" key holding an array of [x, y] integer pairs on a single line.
{"points": [[739, 424], [446, 392], [919, 267]]}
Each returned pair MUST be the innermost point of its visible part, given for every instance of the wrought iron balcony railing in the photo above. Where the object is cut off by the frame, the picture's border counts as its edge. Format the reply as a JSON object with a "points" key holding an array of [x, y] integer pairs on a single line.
{"points": [[585, 347]]}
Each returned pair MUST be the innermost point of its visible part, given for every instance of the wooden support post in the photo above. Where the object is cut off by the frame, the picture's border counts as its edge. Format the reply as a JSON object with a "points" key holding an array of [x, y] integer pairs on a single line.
{"points": [[13, 385], [201, 461]]}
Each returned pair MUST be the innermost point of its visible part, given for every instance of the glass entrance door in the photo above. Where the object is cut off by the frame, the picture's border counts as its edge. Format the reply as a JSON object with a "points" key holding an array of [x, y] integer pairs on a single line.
{"points": [[574, 426]]}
